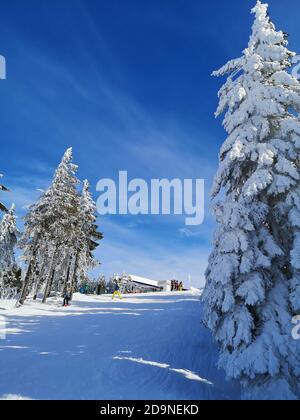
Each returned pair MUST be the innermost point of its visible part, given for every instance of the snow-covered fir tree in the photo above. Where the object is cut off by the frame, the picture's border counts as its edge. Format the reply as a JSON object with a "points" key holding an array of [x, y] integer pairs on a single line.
{"points": [[253, 278], [49, 228], [58, 232], [9, 270], [87, 238]]}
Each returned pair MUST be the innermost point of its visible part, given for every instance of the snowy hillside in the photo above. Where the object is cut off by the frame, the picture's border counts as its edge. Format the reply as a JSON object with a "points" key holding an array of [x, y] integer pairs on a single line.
{"points": [[144, 347]]}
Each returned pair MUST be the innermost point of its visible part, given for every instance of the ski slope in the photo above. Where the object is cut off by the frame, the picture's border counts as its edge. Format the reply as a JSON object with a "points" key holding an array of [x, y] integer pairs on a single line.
{"points": [[144, 347]]}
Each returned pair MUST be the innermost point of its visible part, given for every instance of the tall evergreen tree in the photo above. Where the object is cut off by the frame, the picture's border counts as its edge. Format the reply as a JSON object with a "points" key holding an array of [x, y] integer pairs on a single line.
{"points": [[9, 271], [50, 227], [60, 235], [249, 279], [87, 238]]}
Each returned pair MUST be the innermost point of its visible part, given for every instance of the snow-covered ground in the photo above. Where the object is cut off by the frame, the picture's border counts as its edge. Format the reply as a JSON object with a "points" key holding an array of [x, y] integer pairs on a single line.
{"points": [[145, 347]]}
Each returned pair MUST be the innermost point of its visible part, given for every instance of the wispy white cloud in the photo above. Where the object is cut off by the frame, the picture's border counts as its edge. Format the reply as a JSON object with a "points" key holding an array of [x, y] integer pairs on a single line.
{"points": [[189, 233]]}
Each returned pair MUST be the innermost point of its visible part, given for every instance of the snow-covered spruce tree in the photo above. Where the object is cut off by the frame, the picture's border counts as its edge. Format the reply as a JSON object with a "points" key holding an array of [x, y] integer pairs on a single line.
{"points": [[9, 270], [60, 235], [50, 229], [293, 226], [87, 238], [251, 278]]}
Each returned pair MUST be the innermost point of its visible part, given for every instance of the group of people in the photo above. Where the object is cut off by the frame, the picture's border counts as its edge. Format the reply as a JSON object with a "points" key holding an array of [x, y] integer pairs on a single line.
{"points": [[93, 288], [176, 286]]}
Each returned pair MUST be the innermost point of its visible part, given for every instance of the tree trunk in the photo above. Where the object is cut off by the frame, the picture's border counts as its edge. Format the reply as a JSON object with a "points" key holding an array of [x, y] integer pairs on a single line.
{"points": [[48, 285], [38, 281], [25, 287], [67, 277], [50, 277], [74, 274], [51, 283], [26, 284]]}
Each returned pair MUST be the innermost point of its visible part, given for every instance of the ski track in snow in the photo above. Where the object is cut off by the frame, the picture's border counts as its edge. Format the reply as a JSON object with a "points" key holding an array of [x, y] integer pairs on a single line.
{"points": [[143, 347], [187, 373]]}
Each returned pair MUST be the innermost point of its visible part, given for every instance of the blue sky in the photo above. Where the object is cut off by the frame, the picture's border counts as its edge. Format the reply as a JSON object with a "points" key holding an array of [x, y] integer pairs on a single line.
{"points": [[126, 83]]}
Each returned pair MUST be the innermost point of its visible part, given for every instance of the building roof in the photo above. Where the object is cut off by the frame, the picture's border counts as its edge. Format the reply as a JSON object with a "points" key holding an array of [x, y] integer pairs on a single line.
{"points": [[143, 280]]}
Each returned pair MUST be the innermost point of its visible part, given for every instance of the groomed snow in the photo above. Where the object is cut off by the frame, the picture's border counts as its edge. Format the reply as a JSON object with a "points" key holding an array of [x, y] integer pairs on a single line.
{"points": [[145, 347]]}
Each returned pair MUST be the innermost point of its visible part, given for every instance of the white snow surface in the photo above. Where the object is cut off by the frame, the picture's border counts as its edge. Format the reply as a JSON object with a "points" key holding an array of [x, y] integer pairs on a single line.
{"points": [[144, 347]]}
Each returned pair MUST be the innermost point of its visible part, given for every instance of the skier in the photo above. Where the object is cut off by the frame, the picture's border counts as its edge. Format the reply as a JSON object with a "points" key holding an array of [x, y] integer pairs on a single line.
{"points": [[67, 298], [117, 291]]}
